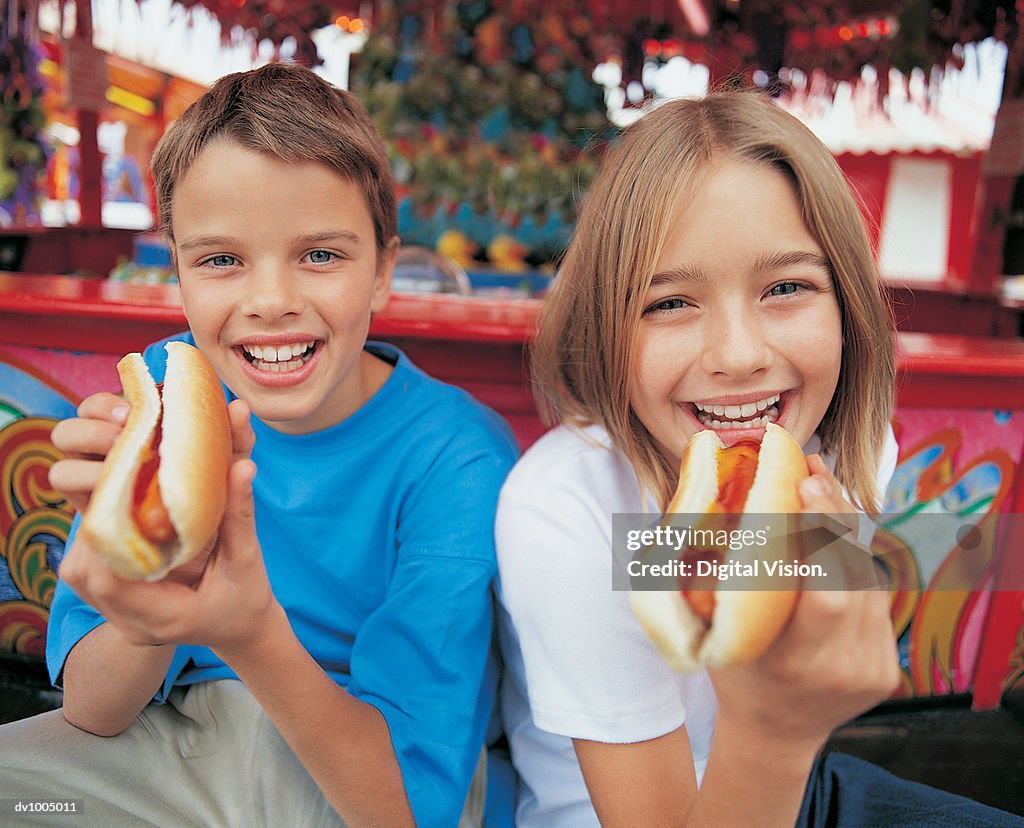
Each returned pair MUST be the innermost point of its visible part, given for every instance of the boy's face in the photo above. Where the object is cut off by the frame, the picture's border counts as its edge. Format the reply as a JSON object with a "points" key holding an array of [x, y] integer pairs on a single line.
{"points": [[279, 275]]}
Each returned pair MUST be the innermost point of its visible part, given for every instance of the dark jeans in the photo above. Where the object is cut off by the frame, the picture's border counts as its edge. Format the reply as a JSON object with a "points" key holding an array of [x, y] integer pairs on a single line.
{"points": [[845, 792]]}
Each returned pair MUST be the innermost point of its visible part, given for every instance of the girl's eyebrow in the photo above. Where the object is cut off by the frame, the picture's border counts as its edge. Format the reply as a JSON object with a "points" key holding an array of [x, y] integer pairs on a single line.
{"points": [[776, 261], [765, 262], [678, 274]]}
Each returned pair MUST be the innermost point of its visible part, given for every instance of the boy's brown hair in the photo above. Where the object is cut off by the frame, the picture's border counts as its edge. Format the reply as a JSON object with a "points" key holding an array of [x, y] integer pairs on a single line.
{"points": [[583, 360], [290, 112]]}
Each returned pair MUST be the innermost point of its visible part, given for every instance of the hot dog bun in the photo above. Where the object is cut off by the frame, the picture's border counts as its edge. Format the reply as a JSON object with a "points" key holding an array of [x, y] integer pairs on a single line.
{"points": [[744, 623], [190, 421]]}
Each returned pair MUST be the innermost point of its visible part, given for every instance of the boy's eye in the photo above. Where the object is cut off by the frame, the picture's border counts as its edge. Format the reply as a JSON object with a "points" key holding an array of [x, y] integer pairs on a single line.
{"points": [[222, 261], [321, 256]]}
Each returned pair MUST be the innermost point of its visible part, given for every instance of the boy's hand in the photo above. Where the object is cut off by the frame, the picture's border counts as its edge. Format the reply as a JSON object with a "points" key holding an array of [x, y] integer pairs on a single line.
{"points": [[836, 658], [86, 440], [221, 601]]}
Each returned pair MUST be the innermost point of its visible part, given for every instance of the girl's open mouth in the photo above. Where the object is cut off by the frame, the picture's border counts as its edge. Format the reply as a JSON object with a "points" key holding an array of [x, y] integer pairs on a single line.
{"points": [[756, 414]]}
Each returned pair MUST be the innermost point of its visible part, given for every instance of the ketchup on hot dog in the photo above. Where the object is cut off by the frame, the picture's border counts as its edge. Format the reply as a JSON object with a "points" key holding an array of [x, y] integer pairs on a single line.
{"points": [[147, 504], [737, 466]]}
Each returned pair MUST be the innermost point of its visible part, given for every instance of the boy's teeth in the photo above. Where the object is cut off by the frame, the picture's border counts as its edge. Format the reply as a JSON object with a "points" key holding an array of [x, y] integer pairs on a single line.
{"points": [[279, 358], [277, 353]]}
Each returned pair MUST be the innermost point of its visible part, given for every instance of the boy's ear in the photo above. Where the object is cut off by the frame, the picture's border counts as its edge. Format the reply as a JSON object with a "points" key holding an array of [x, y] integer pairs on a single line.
{"points": [[382, 279]]}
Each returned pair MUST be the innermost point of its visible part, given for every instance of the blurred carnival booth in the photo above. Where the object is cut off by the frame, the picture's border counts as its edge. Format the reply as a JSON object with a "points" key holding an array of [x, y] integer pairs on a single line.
{"points": [[496, 120]]}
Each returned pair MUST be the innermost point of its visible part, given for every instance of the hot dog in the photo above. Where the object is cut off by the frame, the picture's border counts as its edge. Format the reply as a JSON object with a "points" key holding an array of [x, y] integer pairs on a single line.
{"points": [[161, 493], [697, 626]]}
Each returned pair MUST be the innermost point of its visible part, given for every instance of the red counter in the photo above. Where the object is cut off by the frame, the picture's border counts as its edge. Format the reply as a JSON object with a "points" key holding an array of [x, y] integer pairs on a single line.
{"points": [[959, 421]]}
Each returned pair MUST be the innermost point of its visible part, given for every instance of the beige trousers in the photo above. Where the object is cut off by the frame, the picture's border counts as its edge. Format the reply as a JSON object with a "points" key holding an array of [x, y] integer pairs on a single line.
{"points": [[209, 758]]}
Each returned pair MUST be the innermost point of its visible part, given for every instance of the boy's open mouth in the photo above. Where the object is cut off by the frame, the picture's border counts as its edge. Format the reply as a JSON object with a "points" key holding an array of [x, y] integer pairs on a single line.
{"points": [[280, 359], [756, 414]]}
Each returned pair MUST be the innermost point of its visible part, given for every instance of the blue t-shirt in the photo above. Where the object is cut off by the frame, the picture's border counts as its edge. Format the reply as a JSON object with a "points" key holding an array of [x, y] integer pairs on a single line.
{"points": [[378, 539]]}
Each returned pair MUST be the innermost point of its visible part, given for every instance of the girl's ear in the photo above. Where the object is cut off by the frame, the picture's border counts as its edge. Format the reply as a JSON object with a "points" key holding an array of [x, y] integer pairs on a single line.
{"points": [[382, 278]]}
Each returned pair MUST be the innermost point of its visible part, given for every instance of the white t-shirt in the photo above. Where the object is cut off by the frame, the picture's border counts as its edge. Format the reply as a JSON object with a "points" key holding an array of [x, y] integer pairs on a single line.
{"points": [[578, 663]]}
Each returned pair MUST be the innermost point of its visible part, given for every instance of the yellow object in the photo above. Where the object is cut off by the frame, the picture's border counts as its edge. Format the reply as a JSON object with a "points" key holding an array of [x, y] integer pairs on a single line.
{"points": [[506, 254], [457, 246]]}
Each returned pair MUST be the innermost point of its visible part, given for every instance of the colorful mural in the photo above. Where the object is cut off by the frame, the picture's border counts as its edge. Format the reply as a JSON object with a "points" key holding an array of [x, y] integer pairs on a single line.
{"points": [[939, 539], [34, 519]]}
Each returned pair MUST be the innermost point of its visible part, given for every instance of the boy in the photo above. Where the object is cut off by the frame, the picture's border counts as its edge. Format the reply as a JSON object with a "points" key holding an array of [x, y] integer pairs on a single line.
{"points": [[349, 587]]}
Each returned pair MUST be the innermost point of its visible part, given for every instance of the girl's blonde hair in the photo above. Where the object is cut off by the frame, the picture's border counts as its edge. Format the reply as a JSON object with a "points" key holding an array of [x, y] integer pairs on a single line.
{"points": [[583, 360]]}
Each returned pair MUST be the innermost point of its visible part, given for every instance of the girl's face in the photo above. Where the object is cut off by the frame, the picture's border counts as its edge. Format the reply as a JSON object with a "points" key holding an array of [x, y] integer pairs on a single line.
{"points": [[741, 324]]}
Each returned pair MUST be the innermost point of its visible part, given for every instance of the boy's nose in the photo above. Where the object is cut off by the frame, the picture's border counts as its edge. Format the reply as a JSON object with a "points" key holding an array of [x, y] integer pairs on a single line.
{"points": [[737, 346], [271, 293]]}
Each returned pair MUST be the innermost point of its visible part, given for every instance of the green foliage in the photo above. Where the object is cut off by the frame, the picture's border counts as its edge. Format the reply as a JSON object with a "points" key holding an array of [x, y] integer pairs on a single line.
{"points": [[490, 112]]}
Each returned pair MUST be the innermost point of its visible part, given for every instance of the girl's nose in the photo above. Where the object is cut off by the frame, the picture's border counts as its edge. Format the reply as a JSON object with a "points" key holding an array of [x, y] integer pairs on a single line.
{"points": [[271, 293], [737, 345]]}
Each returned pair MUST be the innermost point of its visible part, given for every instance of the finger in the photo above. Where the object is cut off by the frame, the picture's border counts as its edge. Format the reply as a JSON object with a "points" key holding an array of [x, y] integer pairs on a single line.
{"points": [[242, 436], [822, 488], [238, 529], [816, 465], [104, 406], [155, 610], [86, 438], [75, 479], [72, 567]]}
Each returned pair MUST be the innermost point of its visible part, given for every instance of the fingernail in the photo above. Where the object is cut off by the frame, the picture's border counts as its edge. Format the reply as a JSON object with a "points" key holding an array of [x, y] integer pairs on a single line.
{"points": [[815, 486], [120, 413]]}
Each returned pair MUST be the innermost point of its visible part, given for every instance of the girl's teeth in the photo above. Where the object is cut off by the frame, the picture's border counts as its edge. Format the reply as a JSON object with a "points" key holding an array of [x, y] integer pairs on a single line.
{"points": [[738, 414], [770, 415]]}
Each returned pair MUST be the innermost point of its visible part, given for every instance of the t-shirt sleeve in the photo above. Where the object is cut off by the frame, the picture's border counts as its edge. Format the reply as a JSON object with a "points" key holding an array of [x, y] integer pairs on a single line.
{"points": [[423, 658], [887, 463], [591, 672], [71, 619]]}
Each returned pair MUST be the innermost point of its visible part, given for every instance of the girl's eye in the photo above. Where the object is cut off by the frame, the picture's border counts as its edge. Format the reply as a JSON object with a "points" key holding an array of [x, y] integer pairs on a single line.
{"points": [[786, 289], [666, 305], [322, 256], [222, 260]]}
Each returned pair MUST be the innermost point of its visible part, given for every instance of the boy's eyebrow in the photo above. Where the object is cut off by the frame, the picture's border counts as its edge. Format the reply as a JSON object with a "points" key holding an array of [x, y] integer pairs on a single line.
{"points": [[193, 242], [329, 235], [213, 240]]}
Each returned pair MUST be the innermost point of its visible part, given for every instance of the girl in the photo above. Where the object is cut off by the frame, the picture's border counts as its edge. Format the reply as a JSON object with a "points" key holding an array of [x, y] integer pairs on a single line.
{"points": [[720, 276]]}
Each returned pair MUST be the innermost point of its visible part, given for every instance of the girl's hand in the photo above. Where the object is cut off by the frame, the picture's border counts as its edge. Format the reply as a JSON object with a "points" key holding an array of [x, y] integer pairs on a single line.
{"points": [[223, 605], [86, 440], [836, 658]]}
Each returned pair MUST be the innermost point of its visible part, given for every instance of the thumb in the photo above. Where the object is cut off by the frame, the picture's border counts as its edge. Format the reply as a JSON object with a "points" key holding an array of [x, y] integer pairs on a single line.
{"points": [[238, 528], [242, 436]]}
